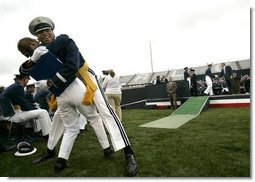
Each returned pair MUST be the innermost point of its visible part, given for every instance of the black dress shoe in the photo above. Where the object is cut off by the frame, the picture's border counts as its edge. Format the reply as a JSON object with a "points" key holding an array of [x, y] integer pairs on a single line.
{"points": [[60, 165], [108, 152], [45, 156], [131, 165]]}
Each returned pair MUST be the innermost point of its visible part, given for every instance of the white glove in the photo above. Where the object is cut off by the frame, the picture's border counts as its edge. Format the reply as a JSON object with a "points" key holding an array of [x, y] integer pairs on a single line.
{"points": [[38, 52], [43, 85]]}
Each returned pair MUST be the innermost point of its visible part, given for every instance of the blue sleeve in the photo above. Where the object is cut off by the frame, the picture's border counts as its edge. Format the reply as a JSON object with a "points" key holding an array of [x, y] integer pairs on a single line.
{"points": [[71, 59]]}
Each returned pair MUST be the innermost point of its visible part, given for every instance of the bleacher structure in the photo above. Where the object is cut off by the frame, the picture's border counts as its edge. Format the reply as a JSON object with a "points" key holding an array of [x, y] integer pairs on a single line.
{"points": [[177, 74]]}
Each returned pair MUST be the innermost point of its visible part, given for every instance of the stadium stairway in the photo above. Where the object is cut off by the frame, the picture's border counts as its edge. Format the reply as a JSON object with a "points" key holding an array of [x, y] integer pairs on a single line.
{"points": [[186, 112]]}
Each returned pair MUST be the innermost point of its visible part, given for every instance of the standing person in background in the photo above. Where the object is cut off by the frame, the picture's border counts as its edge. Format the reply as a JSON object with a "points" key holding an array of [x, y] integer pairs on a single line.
{"points": [[112, 88], [227, 72], [237, 83], [208, 80], [193, 90], [187, 76], [171, 88]]}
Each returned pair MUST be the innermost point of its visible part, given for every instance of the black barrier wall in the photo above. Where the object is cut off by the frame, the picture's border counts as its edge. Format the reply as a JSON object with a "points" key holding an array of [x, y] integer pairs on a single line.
{"points": [[138, 95]]}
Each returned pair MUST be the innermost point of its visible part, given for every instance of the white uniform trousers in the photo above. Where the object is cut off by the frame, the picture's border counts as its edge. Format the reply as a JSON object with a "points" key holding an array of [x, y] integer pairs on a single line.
{"points": [[82, 121], [209, 84], [41, 117], [66, 122], [189, 80], [111, 121]]}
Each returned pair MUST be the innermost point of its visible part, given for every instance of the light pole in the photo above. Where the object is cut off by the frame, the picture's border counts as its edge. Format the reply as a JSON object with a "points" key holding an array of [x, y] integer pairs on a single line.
{"points": [[151, 58]]}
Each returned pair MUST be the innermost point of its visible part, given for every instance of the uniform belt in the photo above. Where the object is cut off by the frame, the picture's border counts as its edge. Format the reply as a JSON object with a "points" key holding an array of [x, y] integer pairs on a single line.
{"points": [[52, 103], [91, 87]]}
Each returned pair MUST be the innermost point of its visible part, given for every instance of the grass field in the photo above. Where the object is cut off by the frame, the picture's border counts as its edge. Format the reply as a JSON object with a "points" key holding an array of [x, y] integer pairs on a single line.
{"points": [[214, 144]]}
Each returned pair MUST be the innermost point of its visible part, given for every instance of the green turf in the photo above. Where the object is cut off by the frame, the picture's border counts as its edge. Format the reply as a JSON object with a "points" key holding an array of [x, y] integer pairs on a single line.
{"points": [[214, 144], [192, 106]]}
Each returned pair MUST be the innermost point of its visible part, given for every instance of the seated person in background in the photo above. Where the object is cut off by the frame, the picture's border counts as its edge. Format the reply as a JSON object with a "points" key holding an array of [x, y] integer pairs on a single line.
{"points": [[25, 111], [223, 86], [245, 82], [40, 94], [217, 86], [29, 93], [201, 86]]}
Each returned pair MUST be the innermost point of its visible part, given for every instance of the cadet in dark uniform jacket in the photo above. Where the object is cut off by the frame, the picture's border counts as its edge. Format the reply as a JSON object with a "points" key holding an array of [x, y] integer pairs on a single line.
{"points": [[25, 111]]}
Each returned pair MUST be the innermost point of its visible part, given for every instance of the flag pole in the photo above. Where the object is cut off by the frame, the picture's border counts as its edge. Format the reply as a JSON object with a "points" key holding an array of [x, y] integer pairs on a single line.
{"points": [[151, 58]]}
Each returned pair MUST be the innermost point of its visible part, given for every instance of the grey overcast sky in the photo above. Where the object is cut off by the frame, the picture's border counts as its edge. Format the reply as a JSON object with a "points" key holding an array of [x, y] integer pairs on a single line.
{"points": [[117, 33]]}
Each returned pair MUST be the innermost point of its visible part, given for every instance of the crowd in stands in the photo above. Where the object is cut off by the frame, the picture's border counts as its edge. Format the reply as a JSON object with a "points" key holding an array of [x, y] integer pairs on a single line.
{"points": [[240, 84], [161, 79]]}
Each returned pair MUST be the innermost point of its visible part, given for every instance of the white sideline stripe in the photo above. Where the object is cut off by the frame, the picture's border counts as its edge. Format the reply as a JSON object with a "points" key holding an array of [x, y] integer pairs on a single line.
{"points": [[133, 103], [161, 103], [229, 101]]}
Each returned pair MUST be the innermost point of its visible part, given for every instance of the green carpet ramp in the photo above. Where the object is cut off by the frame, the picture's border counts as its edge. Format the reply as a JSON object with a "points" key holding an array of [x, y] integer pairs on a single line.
{"points": [[192, 106], [186, 112]]}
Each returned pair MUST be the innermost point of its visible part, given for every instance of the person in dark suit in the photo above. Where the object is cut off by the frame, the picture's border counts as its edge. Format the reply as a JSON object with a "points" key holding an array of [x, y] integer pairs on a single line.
{"points": [[186, 75], [227, 73], [193, 90]]}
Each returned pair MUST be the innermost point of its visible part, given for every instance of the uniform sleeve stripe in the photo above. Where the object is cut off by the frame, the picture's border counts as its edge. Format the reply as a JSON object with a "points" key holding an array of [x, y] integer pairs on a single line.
{"points": [[61, 77]]}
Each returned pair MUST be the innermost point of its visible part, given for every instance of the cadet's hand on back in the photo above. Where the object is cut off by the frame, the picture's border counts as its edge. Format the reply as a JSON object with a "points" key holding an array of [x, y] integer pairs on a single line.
{"points": [[38, 52]]}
